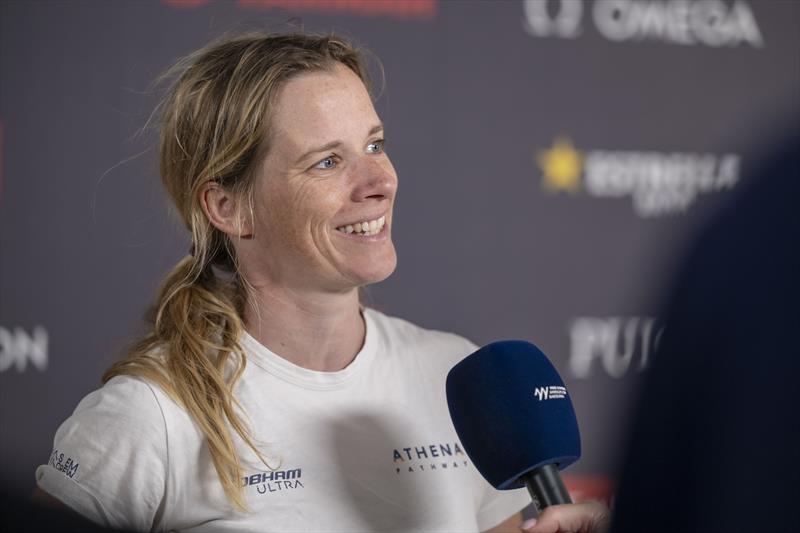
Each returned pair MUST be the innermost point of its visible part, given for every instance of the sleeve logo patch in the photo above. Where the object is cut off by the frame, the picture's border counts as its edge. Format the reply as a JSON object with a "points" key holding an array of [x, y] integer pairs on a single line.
{"points": [[63, 464]]}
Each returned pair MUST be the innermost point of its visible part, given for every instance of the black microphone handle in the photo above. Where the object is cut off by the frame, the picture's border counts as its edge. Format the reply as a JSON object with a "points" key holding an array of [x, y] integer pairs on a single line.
{"points": [[545, 487]]}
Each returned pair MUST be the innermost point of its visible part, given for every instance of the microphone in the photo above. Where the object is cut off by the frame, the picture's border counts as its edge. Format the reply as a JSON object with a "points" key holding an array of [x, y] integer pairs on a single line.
{"points": [[515, 419]]}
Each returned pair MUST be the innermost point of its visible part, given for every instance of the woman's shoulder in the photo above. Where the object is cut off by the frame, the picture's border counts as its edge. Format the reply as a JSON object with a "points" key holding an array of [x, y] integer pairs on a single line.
{"points": [[133, 392], [125, 403]]}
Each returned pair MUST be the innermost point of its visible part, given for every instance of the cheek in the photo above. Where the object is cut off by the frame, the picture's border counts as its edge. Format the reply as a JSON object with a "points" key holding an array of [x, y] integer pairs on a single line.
{"points": [[317, 202], [309, 212], [274, 215], [296, 209]]}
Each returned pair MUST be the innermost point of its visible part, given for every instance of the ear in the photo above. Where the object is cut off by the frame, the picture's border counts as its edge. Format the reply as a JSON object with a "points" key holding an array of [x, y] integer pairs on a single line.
{"points": [[222, 208]]}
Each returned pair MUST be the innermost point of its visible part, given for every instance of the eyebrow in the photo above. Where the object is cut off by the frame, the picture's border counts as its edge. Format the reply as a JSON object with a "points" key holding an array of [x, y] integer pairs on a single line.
{"points": [[335, 144]]}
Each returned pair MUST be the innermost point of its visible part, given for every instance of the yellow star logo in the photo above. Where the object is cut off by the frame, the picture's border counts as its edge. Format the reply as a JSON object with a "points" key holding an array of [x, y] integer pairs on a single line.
{"points": [[561, 166]]}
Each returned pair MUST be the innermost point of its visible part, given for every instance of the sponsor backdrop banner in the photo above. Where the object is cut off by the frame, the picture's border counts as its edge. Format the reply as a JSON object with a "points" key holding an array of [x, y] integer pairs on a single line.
{"points": [[554, 156]]}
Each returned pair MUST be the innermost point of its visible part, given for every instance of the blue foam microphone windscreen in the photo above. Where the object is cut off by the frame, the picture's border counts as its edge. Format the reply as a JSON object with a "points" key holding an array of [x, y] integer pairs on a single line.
{"points": [[514, 418]]}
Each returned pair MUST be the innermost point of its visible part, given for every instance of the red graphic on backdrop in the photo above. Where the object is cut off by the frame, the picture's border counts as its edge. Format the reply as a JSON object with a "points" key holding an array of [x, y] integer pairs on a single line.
{"points": [[584, 488], [401, 9]]}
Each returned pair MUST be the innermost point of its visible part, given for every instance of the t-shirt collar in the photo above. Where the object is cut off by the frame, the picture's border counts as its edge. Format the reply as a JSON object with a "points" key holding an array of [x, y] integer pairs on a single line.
{"points": [[285, 370]]}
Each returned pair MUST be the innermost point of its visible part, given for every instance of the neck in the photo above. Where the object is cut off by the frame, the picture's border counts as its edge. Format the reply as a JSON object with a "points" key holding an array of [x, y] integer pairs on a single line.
{"points": [[316, 331]]}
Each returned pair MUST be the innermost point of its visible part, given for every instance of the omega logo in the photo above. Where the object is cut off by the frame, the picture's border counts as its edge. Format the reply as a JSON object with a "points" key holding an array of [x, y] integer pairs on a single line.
{"points": [[713, 23], [18, 349], [565, 20]]}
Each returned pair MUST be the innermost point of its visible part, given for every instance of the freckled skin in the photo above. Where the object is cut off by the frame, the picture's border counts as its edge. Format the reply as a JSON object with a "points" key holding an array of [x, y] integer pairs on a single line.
{"points": [[298, 205]]}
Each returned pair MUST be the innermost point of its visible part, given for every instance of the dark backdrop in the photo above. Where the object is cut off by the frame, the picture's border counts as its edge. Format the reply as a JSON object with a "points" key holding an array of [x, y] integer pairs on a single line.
{"points": [[553, 157]]}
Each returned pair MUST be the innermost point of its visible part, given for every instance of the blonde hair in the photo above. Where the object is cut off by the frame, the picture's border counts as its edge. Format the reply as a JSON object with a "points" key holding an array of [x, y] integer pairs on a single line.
{"points": [[215, 127]]}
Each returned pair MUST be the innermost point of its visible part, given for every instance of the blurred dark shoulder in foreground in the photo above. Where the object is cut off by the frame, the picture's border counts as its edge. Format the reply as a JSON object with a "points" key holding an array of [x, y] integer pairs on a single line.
{"points": [[716, 437], [21, 514]]}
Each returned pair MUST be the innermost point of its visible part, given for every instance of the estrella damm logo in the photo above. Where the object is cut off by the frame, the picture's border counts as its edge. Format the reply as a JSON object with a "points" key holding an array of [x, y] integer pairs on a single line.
{"points": [[562, 166], [658, 183]]}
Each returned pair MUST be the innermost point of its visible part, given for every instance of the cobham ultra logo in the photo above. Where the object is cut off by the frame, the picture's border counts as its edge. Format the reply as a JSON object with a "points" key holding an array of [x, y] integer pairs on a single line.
{"points": [[553, 392], [275, 481]]}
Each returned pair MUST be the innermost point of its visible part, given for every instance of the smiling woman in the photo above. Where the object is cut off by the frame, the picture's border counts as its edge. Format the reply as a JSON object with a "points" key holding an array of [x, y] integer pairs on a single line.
{"points": [[265, 396], [325, 169]]}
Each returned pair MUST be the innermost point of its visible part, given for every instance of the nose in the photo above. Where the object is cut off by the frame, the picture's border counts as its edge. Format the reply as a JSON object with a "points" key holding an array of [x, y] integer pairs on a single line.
{"points": [[374, 180]]}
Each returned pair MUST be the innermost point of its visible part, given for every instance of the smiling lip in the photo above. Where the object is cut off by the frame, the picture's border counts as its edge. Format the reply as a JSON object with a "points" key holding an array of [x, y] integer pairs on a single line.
{"points": [[360, 237], [364, 228], [380, 233]]}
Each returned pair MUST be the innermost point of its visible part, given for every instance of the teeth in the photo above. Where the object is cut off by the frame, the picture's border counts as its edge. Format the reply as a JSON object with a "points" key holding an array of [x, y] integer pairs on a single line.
{"points": [[365, 228]]}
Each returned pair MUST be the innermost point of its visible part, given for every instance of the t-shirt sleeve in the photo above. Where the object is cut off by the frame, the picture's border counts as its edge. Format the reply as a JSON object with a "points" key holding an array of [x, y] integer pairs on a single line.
{"points": [[109, 460]]}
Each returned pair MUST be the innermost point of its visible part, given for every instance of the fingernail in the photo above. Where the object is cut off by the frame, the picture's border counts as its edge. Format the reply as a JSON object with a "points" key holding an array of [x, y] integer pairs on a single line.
{"points": [[528, 524]]}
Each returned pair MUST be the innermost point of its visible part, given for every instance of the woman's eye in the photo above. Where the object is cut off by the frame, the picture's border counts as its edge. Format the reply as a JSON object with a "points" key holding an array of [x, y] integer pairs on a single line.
{"points": [[375, 147], [326, 164]]}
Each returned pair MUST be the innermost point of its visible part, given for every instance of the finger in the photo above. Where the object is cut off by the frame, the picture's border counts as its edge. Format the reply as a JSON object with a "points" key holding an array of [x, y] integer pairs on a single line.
{"points": [[590, 517]]}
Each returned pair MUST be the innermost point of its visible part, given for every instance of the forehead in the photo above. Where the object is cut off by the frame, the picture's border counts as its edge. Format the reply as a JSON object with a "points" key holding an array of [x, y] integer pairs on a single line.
{"points": [[319, 107]]}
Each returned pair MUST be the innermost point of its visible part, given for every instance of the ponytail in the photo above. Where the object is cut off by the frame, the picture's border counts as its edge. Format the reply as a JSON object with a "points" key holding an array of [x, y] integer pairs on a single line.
{"points": [[193, 354]]}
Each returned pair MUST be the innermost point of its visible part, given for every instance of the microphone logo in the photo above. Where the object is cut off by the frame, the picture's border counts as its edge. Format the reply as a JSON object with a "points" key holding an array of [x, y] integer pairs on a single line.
{"points": [[553, 392]]}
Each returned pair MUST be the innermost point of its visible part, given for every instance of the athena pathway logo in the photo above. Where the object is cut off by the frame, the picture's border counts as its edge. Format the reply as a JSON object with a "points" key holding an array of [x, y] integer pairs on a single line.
{"points": [[429, 458], [658, 184]]}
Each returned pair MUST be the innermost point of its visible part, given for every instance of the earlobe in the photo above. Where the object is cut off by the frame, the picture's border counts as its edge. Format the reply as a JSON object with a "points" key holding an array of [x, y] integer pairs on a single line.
{"points": [[221, 209]]}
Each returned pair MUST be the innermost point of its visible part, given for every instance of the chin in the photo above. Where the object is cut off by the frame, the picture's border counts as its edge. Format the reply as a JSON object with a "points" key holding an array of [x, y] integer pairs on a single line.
{"points": [[377, 273]]}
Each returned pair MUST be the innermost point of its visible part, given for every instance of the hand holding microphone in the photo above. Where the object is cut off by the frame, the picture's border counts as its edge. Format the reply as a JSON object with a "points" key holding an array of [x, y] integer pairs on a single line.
{"points": [[515, 420], [585, 517]]}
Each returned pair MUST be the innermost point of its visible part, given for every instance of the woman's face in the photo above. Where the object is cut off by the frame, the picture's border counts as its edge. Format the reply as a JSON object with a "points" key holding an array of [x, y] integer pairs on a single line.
{"points": [[325, 176]]}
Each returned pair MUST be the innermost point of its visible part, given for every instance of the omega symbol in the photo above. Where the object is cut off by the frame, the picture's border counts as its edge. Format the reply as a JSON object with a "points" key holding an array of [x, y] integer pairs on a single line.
{"points": [[564, 22]]}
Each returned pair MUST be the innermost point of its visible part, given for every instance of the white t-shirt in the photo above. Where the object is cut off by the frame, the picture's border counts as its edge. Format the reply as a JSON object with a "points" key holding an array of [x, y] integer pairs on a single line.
{"points": [[368, 448]]}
